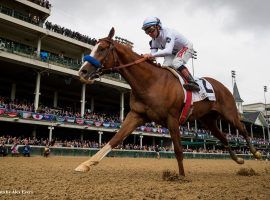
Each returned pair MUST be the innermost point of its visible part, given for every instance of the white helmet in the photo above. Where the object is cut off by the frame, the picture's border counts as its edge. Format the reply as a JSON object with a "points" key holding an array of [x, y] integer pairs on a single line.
{"points": [[151, 21]]}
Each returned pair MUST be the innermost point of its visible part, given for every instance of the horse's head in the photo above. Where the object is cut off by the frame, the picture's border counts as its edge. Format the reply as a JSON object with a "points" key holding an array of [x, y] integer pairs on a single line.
{"points": [[101, 58]]}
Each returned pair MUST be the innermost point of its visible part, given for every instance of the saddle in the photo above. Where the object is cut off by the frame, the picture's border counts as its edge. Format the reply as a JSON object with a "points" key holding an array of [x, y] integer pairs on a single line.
{"points": [[206, 91]]}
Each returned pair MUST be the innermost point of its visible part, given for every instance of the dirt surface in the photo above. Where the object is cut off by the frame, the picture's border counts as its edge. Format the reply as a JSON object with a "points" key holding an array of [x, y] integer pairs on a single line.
{"points": [[130, 178]]}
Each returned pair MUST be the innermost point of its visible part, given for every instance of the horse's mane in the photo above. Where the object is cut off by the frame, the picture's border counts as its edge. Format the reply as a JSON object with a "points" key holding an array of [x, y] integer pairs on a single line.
{"points": [[128, 48]]}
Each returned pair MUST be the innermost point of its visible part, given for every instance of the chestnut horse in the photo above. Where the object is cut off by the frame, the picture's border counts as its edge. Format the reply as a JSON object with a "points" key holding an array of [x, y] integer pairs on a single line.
{"points": [[157, 96]]}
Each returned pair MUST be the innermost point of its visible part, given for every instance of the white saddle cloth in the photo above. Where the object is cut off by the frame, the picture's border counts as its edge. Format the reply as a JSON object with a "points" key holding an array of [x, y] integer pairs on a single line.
{"points": [[206, 89]]}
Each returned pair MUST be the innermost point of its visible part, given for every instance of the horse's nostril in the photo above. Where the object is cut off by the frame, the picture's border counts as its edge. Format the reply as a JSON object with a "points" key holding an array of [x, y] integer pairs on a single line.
{"points": [[84, 71]]}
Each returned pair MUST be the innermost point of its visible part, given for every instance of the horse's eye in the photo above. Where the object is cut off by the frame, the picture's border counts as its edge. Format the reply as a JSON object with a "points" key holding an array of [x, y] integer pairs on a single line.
{"points": [[101, 51], [84, 71]]}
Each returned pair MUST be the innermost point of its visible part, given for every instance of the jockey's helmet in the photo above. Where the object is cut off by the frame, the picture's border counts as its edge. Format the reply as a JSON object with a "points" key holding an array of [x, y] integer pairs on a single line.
{"points": [[151, 21]]}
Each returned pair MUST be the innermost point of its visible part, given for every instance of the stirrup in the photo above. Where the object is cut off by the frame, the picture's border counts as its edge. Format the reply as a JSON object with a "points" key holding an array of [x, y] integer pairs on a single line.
{"points": [[191, 87]]}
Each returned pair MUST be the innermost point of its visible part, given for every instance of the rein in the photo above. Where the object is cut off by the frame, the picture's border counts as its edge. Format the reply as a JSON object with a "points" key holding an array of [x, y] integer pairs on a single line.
{"points": [[123, 66], [100, 71]]}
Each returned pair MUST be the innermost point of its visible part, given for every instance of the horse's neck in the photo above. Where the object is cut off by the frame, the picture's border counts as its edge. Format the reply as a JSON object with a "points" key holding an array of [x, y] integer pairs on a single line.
{"points": [[140, 76]]}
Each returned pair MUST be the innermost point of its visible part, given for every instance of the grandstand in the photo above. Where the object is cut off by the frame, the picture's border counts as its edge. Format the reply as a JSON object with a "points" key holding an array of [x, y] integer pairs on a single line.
{"points": [[42, 97]]}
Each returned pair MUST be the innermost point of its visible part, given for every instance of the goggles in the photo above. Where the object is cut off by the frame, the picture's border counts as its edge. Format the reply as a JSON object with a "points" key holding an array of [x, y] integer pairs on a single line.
{"points": [[150, 30]]}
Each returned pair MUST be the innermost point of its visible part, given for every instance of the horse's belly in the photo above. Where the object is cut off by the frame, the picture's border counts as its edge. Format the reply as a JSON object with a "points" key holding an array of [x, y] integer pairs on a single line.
{"points": [[157, 115]]}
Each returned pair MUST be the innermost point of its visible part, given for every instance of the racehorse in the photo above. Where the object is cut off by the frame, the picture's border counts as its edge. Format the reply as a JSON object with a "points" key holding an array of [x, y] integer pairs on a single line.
{"points": [[157, 96]]}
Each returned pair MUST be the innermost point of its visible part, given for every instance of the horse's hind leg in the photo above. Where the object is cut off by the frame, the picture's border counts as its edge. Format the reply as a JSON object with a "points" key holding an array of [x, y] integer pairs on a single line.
{"points": [[242, 130], [211, 124], [173, 126], [132, 121]]}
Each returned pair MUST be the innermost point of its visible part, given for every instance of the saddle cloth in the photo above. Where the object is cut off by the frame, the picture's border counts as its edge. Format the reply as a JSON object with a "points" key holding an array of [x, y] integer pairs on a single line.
{"points": [[206, 89]]}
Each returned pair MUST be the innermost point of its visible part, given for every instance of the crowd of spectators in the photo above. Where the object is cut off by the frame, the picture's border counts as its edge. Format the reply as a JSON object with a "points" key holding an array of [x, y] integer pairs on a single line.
{"points": [[14, 148], [35, 19], [11, 144], [24, 105], [43, 3], [240, 139], [45, 56], [3, 149], [102, 117], [17, 106], [25, 16], [33, 141], [69, 33]]}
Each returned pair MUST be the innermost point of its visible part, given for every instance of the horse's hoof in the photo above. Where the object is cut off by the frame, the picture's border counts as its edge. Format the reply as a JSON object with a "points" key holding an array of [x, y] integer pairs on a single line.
{"points": [[258, 155], [82, 168], [240, 161]]}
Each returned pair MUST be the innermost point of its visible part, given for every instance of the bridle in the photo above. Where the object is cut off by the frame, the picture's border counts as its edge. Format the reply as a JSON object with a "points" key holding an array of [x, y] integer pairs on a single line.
{"points": [[100, 70]]}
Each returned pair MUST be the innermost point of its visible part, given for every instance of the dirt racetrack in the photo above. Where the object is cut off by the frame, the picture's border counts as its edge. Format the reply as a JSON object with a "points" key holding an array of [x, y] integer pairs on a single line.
{"points": [[130, 178]]}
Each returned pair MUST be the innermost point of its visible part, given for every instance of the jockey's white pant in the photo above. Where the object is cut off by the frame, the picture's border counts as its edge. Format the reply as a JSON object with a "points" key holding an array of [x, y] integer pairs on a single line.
{"points": [[181, 58]]}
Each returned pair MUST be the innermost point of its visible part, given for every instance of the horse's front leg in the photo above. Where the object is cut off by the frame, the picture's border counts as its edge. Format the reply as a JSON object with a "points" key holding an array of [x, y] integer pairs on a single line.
{"points": [[173, 126], [132, 121]]}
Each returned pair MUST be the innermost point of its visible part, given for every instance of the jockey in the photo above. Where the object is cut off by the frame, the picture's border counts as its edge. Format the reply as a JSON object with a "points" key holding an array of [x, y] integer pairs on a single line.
{"points": [[171, 45]]}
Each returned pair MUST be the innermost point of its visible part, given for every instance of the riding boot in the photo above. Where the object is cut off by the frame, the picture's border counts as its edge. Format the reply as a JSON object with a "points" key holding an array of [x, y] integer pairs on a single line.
{"points": [[191, 83]]}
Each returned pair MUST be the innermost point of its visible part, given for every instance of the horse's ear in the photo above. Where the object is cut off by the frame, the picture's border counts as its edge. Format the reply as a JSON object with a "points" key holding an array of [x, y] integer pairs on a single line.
{"points": [[111, 34]]}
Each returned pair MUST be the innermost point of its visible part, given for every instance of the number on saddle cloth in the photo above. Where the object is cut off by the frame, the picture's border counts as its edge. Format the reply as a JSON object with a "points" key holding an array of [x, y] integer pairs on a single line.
{"points": [[206, 91]]}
